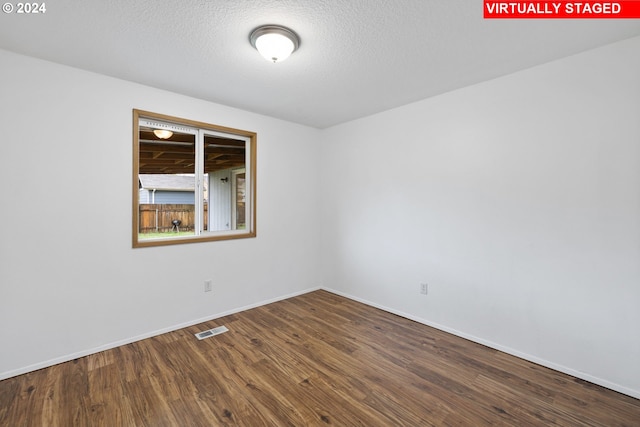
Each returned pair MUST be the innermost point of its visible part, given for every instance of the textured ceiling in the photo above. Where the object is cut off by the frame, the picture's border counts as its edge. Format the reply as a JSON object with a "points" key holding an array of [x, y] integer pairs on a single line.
{"points": [[357, 57]]}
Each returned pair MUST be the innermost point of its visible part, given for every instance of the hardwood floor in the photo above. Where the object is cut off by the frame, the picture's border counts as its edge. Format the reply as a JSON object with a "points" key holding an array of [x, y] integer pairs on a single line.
{"points": [[312, 360]]}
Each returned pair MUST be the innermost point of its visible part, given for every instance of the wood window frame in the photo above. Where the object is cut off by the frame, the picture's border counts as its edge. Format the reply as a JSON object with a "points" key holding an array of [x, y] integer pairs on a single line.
{"points": [[206, 236]]}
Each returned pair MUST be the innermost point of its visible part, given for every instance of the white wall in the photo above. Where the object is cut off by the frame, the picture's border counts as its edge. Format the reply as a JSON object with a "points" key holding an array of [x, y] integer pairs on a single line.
{"points": [[70, 283], [517, 200]]}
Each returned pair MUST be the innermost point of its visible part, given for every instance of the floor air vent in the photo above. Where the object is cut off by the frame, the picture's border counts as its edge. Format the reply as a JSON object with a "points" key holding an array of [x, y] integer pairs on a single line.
{"points": [[211, 332]]}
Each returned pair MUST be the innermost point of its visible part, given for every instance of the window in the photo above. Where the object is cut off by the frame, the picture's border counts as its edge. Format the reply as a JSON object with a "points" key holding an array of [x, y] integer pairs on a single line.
{"points": [[192, 181]]}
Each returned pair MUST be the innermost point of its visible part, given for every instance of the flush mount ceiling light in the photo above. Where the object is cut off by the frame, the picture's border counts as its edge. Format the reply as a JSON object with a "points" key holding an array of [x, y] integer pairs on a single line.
{"points": [[162, 133], [275, 43]]}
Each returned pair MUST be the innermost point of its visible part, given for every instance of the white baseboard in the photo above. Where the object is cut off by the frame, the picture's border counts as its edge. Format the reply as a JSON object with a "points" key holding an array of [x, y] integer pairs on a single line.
{"points": [[72, 356], [519, 354]]}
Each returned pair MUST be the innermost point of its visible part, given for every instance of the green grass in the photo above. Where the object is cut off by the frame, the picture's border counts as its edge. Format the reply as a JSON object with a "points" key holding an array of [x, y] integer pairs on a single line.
{"points": [[171, 234], [166, 235]]}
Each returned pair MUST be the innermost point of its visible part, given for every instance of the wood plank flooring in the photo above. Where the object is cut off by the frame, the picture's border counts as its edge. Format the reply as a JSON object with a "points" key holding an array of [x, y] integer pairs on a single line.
{"points": [[313, 360]]}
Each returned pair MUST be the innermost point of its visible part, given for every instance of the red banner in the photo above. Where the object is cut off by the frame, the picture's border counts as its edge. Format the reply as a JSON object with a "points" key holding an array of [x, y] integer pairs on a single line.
{"points": [[516, 9]]}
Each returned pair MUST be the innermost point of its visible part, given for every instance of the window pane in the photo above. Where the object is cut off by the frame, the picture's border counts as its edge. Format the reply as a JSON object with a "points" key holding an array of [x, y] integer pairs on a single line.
{"points": [[167, 191], [223, 157]]}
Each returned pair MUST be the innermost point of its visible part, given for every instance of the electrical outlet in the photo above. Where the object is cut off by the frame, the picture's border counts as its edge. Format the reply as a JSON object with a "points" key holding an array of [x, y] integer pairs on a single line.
{"points": [[207, 285], [424, 288]]}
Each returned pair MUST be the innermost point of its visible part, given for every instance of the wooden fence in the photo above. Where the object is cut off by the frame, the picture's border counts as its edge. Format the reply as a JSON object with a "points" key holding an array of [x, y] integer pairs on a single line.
{"points": [[158, 218]]}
